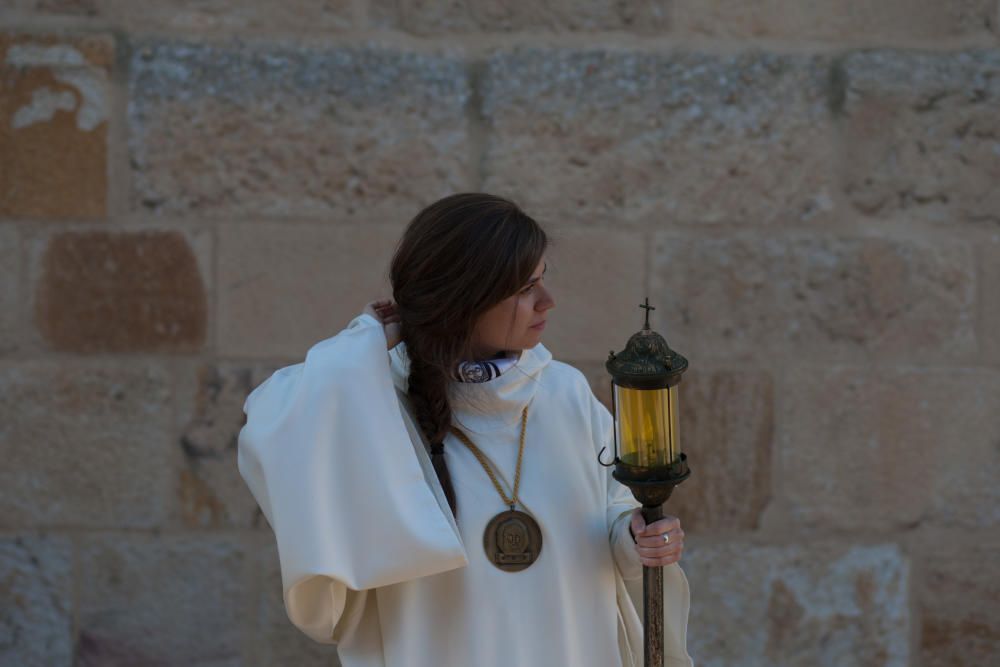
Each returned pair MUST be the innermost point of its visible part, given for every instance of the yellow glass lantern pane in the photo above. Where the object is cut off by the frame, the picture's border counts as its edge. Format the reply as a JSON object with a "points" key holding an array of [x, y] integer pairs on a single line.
{"points": [[647, 426]]}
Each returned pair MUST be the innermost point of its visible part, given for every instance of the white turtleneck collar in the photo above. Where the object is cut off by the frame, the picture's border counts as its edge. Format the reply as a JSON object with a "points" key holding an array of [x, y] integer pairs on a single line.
{"points": [[481, 407]]}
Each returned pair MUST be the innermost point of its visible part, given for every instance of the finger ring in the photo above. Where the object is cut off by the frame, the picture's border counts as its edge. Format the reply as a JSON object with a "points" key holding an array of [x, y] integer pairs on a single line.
{"points": [[666, 538]]}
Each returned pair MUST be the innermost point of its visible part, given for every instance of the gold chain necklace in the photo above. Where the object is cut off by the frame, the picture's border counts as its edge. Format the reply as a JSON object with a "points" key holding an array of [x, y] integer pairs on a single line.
{"points": [[512, 538]]}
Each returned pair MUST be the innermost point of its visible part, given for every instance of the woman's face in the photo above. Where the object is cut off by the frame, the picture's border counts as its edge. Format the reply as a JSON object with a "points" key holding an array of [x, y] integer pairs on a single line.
{"points": [[516, 323]]}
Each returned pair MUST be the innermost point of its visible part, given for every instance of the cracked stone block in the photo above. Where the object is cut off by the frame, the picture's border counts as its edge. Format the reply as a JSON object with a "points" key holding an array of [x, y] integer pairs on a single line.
{"points": [[922, 135], [36, 586], [661, 139], [162, 600], [122, 291], [887, 448], [834, 296], [235, 131], [826, 604], [54, 107], [211, 492], [842, 21], [288, 286], [438, 18], [84, 444]]}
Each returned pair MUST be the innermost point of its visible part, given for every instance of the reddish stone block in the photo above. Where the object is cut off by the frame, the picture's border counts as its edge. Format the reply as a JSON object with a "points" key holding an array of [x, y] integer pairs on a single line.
{"points": [[54, 109], [100, 291]]}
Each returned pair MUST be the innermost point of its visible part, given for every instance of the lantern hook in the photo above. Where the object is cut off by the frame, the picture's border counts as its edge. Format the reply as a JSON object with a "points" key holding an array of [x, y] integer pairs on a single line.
{"points": [[601, 453]]}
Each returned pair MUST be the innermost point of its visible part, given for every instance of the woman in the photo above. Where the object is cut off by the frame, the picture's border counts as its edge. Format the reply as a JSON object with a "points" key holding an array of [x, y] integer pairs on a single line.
{"points": [[442, 505]]}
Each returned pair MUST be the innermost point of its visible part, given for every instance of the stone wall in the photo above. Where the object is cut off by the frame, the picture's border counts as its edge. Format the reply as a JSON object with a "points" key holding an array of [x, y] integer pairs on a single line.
{"points": [[193, 192]]}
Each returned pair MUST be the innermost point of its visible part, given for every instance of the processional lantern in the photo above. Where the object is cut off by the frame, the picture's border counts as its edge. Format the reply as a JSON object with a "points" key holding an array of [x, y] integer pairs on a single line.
{"points": [[644, 383]]}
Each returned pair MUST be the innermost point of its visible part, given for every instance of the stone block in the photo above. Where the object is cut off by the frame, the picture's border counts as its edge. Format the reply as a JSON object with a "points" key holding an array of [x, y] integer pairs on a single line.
{"points": [[825, 604], [288, 286], [32, 9], [280, 642], [921, 135], [727, 432], [849, 21], [211, 492], [597, 278], [195, 16], [54, 107], [957, 597], [886, 448], [163, 600], [456, 16], [660, 139], [283, 131], [224, 16], [10, 290], [84, 444], [36, 586], [989, 296], [122, 291], [829, 296]]}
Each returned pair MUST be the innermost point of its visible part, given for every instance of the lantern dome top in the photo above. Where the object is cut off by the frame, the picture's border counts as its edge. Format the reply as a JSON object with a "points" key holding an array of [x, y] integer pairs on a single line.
{"points": [[647, 362]]}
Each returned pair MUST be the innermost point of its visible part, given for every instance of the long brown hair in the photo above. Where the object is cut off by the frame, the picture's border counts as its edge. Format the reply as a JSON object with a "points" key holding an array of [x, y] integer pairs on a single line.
{"points": [[458, 257]]}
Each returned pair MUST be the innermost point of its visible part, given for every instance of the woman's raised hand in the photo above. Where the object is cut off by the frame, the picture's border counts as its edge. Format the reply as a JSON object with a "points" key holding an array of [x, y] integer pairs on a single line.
{"points": [[384, 310], [653, 550]]}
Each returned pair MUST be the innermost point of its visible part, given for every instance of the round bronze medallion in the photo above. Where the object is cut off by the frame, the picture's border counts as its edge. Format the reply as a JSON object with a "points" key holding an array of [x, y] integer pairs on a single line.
{"points": [[512, 540]]}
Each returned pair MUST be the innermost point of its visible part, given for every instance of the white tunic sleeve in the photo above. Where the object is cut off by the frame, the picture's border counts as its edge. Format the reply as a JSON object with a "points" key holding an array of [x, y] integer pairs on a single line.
{"points": [[328, 457], [621, 502]]}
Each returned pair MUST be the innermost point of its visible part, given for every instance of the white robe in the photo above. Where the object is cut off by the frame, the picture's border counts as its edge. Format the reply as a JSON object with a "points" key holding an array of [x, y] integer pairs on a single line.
{"points": [[373, 561]]}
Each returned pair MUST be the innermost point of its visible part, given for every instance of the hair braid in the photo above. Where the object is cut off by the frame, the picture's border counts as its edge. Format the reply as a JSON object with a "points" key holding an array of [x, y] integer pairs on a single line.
{"points": [[428, 392]]}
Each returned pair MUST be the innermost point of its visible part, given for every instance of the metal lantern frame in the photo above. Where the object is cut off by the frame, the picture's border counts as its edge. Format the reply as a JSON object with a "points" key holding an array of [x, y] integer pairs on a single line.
{"points": [[647, 364]]}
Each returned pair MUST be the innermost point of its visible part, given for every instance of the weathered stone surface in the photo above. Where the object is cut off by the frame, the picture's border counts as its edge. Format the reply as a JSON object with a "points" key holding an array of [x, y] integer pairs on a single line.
{"points": [[231, 131], [849, 21], [166, 600], [134, 291], [727, 431], [922, 135], [84, 444], [989, 295], [833, 296], [592, 269], [660, 139], [211, 492], [431, 18], [209, 16], [54, 107], [958, 596], [36, 624], [10, 289], [288, 286], [886, 448], [17, 9], [278, 642], [798, 605]]}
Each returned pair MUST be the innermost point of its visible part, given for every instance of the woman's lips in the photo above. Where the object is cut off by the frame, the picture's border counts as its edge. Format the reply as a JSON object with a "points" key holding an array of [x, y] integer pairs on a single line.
{"points": [[539, 326]]}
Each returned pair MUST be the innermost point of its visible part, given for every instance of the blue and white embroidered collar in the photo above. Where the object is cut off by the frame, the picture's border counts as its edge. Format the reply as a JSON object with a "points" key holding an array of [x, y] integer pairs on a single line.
{"points": [[484, 371]]}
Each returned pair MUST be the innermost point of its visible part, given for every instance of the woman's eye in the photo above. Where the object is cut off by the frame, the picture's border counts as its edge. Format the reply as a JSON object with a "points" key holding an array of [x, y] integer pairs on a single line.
{"points": [[527, 289]]}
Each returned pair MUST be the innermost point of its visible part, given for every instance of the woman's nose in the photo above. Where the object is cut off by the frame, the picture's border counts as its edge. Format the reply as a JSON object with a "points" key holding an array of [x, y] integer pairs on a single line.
{"points": [[546, 302]]}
